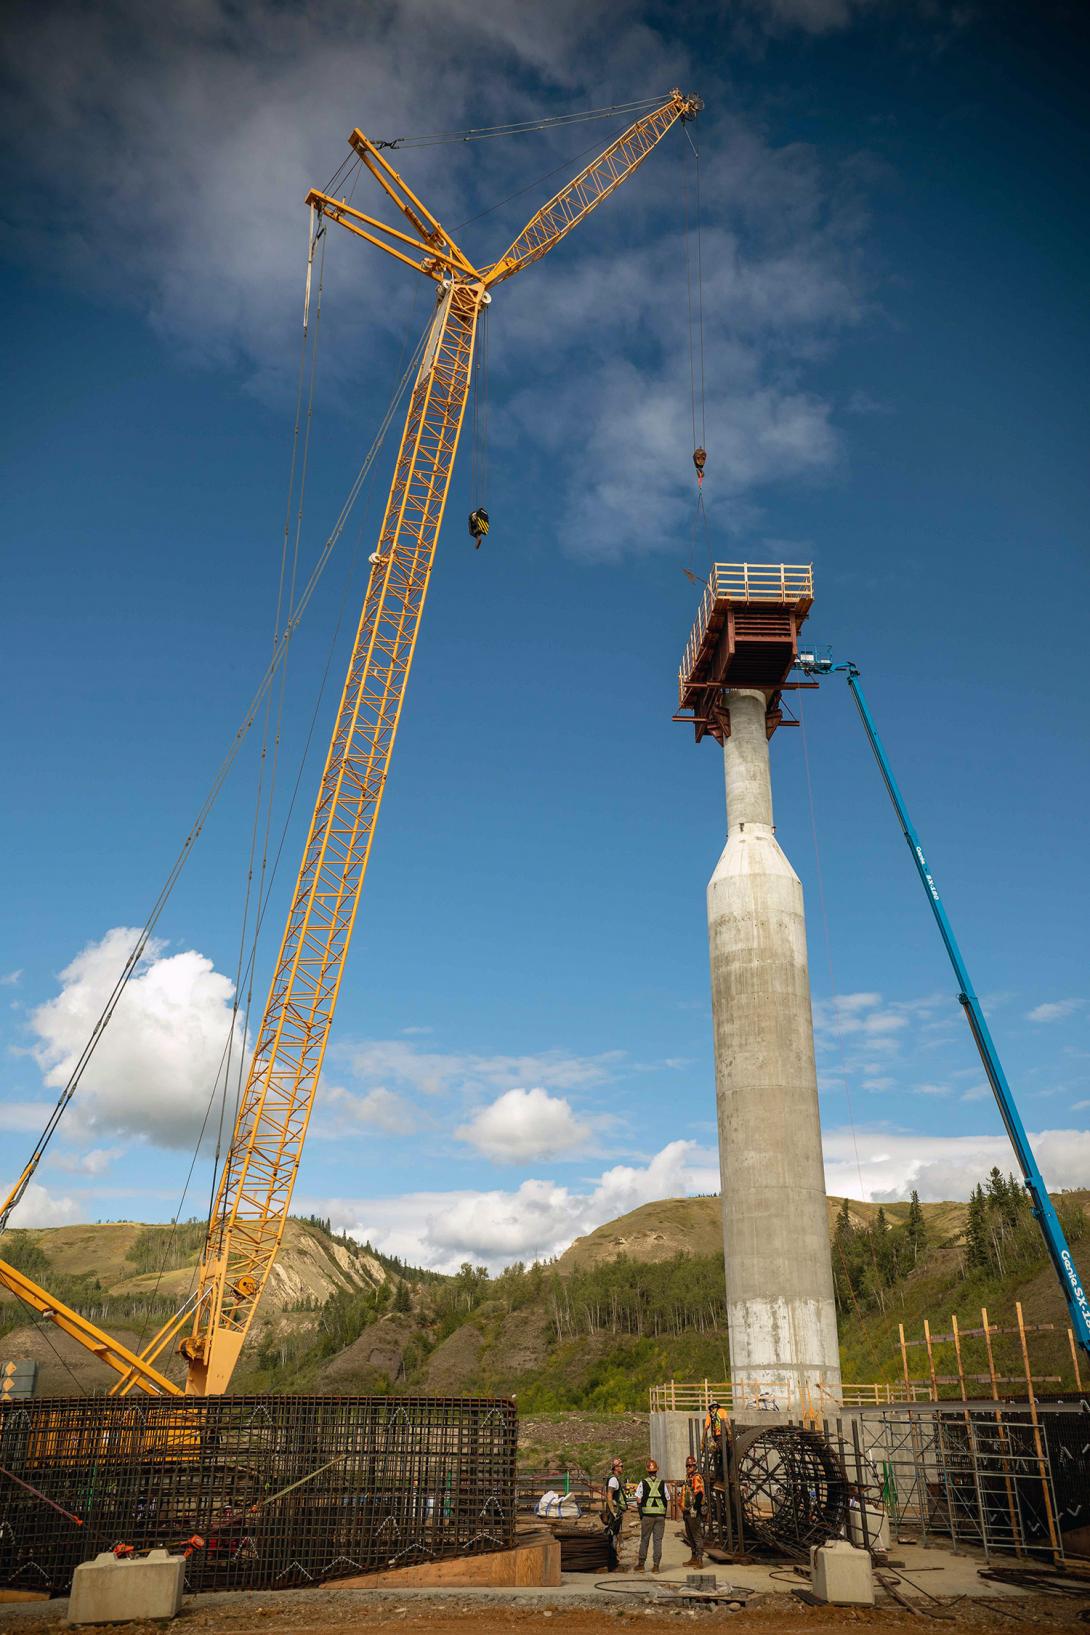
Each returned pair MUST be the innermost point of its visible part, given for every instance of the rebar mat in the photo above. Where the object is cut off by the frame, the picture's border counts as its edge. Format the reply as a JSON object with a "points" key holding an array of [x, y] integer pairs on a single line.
{"points": [[260, 1492]]}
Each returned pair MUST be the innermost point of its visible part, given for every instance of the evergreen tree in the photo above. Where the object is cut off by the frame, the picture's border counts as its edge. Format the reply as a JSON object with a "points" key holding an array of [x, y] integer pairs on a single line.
{"points": [[915, 1230], [978, 1252]]}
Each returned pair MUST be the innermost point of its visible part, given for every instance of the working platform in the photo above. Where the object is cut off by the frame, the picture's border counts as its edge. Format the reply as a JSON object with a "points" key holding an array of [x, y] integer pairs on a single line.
{"points": [[746, 634]]}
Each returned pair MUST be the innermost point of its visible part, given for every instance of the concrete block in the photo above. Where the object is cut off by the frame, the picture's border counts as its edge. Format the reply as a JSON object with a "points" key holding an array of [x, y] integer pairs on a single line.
{"points": [[841, 1574], [877, 1527], [109, 1591]]}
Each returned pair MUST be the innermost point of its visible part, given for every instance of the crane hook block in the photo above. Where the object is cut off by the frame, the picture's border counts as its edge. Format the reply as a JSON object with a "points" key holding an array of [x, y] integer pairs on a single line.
{"points": [[478, 525], [700, 455]]}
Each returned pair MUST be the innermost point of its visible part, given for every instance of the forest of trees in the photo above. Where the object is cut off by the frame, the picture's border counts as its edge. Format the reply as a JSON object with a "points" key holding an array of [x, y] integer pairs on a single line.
{"points": [[1001, 1237], [868, 1261]]}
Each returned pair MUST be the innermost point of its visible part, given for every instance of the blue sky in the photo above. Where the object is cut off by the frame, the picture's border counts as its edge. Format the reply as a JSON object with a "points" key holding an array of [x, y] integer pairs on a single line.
{"points": [[896, 350]]}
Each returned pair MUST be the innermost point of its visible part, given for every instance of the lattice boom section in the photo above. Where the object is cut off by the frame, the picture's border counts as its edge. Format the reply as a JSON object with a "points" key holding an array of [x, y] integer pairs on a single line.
{"points": [[587, 190], [382, 1481], [278, 1097]]}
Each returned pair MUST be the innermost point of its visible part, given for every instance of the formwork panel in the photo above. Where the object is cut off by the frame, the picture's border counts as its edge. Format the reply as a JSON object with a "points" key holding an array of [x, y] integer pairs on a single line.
{"points": [[262, 1492]]}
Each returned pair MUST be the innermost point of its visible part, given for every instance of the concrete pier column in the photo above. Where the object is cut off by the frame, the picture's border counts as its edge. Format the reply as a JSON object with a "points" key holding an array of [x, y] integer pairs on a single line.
{"points": [[781, 1313]]}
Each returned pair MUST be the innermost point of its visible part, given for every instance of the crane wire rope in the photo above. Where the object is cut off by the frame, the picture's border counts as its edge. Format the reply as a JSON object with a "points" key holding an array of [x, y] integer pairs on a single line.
{"points": [[696, 348], [836, 1008], [827, 940], [245, 974], [246, 978], [564, 164], [37, 1322], [136, 953], [482, 133], [264, 884], [259, 797]]}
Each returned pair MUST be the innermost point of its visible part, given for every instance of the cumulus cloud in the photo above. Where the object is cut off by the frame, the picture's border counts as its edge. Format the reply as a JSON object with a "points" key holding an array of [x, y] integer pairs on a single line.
{"points": [[378, 1109], [39, 1207], [534, 1221], [540, 1217], [209, 127], [156, 1064], [96, 1161], [891, 1164], [24, 1115], [525, 1124], [1054, 1010]]}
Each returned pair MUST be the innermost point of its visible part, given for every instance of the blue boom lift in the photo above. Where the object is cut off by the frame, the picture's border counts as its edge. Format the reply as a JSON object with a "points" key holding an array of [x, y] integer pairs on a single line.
{"points": [[1055, 1242]]}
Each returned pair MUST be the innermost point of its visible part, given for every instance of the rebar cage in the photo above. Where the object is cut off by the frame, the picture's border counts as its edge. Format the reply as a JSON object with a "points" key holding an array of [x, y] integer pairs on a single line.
{"points": [[259, 1492]]}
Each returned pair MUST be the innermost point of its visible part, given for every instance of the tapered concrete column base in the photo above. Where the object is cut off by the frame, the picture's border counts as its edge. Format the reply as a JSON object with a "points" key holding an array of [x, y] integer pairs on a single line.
{"points": [[780, 1303]]}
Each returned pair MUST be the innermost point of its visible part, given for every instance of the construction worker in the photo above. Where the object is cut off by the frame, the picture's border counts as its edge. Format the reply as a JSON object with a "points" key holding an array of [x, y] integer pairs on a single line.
{"points": [[613, 1509], [715, 1423], [652, 1502], [692, 1511]]}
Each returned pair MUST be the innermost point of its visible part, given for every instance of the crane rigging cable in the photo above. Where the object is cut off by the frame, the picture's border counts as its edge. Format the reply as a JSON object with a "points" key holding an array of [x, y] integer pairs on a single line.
{"points": [[696, 348], [261, 1165], [289, 582], [246, 978], [482, 133], [137, 952]]}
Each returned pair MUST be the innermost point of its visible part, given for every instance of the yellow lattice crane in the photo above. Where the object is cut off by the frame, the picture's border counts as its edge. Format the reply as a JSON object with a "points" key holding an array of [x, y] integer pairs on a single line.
{"points": [[251, 1207]]}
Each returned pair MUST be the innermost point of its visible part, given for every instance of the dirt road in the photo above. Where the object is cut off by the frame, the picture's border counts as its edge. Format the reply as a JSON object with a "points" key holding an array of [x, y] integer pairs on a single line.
{"points": [[323, 1612]]}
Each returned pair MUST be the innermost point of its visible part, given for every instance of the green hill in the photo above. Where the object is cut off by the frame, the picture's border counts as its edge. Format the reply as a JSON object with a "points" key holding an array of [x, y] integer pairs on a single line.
{"points": [[636, 1302]]}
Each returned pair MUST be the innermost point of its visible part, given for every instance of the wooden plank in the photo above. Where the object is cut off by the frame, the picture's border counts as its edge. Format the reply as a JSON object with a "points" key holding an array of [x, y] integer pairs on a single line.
{"points": [[532, 1565]]}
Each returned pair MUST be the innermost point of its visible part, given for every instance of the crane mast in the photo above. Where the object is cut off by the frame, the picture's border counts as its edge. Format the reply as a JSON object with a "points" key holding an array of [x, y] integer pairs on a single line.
{"points": [[255, 1186]]}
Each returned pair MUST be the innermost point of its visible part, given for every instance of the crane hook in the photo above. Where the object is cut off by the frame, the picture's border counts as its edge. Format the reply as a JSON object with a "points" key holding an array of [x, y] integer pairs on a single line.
{"points": [[700, 455]]}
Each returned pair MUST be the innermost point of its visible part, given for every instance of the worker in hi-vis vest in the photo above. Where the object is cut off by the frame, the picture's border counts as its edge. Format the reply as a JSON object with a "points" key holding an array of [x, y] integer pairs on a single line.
{"points": [[613, 1509], [652, 1502], [692, 1511]]}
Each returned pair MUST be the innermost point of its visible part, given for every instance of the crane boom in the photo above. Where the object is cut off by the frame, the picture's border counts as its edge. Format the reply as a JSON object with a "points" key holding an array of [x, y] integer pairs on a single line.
{"points": [[250, 1212], [256, 1185], [586, 191], [1056, 1244], [259, 1172]]}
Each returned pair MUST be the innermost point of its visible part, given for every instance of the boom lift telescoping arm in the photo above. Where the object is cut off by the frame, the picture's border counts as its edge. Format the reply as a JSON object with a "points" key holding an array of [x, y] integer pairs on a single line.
{"points": [[1056, 1243], [255, 1187]]}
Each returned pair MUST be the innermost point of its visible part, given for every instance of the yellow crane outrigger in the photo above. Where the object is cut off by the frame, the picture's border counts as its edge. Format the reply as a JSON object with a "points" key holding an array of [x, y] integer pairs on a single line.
{"points": [[255, 1186]]}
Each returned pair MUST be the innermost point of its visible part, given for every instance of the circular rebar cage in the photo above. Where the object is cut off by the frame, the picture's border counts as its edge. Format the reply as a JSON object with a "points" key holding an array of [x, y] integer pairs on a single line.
{"points": [[791, 1485]]}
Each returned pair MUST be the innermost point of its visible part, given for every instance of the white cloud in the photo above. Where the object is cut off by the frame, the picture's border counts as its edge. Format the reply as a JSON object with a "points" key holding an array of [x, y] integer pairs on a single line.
{"points": [[1054, 1010], [525, 1124], [943, 1166], [1079, 1106], [24, 1115], [94, 1162], [207, 129], [11, 979], [535, 1221], [39, 1207], [156, 1063], [377, 1109], [396, 1061]]}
